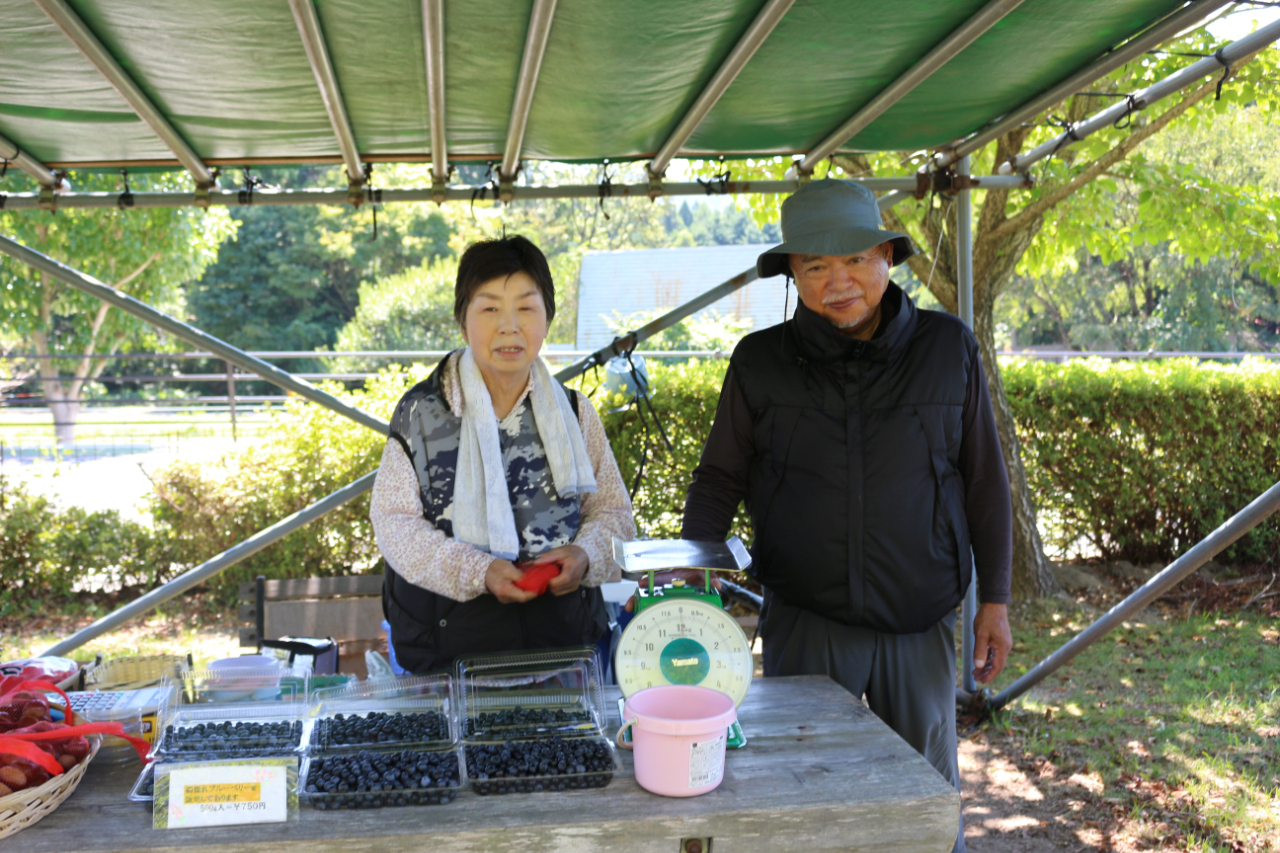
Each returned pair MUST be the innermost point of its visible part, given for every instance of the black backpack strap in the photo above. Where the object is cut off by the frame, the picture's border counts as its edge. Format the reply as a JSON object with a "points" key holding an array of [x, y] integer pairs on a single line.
{"points": [[573, 399]]}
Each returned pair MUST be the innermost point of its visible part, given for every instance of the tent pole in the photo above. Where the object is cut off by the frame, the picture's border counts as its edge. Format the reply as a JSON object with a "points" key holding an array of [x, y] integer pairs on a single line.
{"points": [[280, 529], [942, 53], [1186, 17], [1231, 55], [308, 21], [10, 151], [964, 294], [224, 198], [192, 335], [1206, 549], [535, 45], [433, 40], [747, 45], [209, 568], [88, 44]]}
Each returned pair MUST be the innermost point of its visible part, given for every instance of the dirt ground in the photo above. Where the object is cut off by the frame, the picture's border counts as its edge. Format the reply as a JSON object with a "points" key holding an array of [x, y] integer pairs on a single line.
{"points": [[1010, 809]]}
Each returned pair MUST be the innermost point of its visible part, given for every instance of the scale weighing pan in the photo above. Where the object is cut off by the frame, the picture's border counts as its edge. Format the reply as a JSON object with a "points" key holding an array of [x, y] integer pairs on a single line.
{"points": [[657, 555]]}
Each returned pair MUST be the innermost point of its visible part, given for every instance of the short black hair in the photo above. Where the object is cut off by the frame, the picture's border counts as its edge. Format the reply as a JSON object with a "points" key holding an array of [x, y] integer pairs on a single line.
{"points": [[489, 259]]}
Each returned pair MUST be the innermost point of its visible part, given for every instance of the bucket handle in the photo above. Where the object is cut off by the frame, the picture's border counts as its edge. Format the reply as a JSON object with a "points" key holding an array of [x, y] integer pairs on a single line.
{"points": [[625, 725]]}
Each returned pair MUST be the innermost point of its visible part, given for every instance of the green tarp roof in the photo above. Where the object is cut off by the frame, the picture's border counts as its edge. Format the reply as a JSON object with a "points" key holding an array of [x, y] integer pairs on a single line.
{"points": [[232, 75]]}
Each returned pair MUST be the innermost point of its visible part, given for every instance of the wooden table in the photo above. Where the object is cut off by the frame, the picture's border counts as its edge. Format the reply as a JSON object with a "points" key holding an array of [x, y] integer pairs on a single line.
{"points": [[820, 772]]}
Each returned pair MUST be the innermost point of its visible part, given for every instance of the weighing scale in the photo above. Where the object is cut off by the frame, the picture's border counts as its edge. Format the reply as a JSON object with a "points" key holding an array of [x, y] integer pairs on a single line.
{"points": [[680, 633]]}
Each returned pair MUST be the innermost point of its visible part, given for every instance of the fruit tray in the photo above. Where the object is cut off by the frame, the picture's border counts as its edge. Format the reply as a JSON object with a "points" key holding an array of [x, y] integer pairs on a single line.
{"points": [[543, 764], [230, 731], [554, 693], [414, 711], [378, 778]]}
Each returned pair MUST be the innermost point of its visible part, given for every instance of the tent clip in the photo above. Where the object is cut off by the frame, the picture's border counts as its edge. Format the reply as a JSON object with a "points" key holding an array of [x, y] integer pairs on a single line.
{"points": [[946, 182], [606, 187], [1226, 72], [125, 200], [655, 186], [250, 183], [49, 195]]}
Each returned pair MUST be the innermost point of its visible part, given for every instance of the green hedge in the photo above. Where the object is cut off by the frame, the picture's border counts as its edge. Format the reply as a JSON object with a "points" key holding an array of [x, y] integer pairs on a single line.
{"points": [[1140, 460], [1133, 460]]}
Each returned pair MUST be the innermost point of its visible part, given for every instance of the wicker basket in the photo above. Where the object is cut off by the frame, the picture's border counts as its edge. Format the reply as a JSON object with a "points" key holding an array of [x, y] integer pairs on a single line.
{"points": [[23, 808], [131, 673]]}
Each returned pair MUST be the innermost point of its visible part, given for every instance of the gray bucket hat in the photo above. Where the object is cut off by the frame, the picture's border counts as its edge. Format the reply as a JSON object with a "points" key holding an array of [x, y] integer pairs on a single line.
{"points": [[831, 217]]}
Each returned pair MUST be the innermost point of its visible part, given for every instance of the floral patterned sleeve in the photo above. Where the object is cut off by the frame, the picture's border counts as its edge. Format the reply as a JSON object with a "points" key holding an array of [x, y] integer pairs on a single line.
{"points": [[606, 513], [420, 553]]}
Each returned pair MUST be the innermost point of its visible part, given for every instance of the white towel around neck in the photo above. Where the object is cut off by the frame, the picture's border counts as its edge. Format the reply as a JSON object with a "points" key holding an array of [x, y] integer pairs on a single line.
{"points": [[482, 514]]}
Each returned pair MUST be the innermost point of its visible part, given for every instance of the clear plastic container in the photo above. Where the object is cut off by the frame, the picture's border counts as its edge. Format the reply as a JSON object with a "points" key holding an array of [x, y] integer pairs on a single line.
{"points": [[241, 686], [552, 693], [408, 777], [210, 732], [542, 764], [401, 713], [144, 789]]}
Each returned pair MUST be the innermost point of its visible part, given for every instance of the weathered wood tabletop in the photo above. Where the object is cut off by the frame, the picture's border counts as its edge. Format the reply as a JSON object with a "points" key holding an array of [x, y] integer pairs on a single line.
{"points": [[820, 772]]}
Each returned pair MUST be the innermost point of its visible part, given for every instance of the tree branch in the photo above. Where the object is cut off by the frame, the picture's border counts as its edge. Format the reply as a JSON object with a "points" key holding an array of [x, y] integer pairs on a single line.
{"points": [[1055, 196]]}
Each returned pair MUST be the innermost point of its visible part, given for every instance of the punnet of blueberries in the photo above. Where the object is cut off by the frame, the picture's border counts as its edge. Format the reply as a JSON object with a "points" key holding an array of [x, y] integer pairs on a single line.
{"points": [[521, 722], [343, 730], [551, 764], [219, 740], [371, 780]]}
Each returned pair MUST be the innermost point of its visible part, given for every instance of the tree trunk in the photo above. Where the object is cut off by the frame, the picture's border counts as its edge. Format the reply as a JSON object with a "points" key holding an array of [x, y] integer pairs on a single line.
{"points": [[1032, 573]]}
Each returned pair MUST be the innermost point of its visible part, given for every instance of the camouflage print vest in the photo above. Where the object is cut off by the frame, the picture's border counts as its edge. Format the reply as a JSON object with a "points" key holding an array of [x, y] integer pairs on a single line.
{"points": [[430, 630], [428, 430]]}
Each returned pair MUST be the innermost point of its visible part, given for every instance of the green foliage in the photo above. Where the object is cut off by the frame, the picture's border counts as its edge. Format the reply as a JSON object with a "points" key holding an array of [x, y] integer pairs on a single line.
{"points": [[708, 331], [685, 401], [309, 452], [291, 278], [411, 310], [171, 245], [47, 552], [1141, 460], [1133, 461]]}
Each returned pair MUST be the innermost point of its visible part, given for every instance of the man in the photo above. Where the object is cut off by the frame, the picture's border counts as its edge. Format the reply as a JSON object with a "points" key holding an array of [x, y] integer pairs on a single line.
{"points": [[861, 436]]}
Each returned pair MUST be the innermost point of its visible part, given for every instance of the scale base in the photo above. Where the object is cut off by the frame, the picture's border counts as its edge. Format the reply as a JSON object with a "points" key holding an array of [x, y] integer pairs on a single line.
{"points": [[737, 737]]}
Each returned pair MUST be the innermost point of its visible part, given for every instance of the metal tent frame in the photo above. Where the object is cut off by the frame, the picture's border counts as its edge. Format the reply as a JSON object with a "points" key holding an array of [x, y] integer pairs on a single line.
{"points": [[54, 195]]}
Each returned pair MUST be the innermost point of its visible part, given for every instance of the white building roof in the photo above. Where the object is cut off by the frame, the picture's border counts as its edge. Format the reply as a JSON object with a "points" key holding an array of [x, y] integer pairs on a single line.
{"points": [[627, 282]]}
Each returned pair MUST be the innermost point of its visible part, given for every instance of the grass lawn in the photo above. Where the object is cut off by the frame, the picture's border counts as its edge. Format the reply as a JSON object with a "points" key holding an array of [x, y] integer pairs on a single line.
{"points": [[1164, 735]]}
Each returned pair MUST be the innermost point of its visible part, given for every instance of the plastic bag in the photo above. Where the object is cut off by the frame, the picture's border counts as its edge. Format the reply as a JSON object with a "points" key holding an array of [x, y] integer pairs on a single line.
{"points": [[51, 669]]}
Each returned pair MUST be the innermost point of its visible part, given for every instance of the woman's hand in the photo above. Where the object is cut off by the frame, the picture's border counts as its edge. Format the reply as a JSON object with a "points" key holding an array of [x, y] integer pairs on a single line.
{"points": [[573, 562], [500, 579]]}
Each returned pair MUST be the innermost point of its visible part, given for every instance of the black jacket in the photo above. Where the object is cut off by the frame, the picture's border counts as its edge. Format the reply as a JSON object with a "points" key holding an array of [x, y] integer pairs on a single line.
{"points": [[864, 466]]}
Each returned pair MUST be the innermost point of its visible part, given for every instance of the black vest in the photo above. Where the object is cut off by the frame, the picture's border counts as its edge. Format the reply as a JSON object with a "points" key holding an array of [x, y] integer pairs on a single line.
{"points": [[855, 496], [429, 630]]}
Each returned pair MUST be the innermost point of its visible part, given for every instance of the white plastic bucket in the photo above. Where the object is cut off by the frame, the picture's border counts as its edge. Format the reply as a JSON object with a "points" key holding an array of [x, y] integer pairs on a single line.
{"points": [[679, 733]]}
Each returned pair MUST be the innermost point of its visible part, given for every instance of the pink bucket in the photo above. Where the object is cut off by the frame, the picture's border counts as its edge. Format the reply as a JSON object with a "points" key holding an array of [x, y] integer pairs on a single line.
{"points": [[679, 733]]}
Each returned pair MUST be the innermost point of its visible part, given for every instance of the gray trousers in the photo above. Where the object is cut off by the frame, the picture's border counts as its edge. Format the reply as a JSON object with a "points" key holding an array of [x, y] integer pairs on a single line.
{"points": [[909, 680]]}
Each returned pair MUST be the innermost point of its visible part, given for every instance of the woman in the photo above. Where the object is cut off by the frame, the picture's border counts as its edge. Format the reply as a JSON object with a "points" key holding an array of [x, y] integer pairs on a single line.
{"points": [[492, 465]]}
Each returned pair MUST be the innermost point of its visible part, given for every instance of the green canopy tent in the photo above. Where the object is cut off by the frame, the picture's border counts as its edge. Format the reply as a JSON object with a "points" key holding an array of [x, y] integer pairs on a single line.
{"points": [[157, 84]]}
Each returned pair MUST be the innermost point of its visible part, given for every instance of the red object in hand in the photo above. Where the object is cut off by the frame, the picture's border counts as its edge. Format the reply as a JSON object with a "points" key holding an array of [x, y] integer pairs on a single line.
{"points": [[537, 577]]}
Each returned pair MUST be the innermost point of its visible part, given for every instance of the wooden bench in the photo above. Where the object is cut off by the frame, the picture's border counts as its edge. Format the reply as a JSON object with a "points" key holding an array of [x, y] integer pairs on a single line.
{"points": [[349, 609]]}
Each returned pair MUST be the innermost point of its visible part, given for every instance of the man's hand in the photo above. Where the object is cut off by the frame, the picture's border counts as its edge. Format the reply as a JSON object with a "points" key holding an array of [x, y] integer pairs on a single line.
{"points": [[500, 579], [992, 641], [573, 562]]}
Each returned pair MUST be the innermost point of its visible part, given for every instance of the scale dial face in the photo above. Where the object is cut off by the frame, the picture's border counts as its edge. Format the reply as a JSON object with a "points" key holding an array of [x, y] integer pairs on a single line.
{"points": [[684, 641]]}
